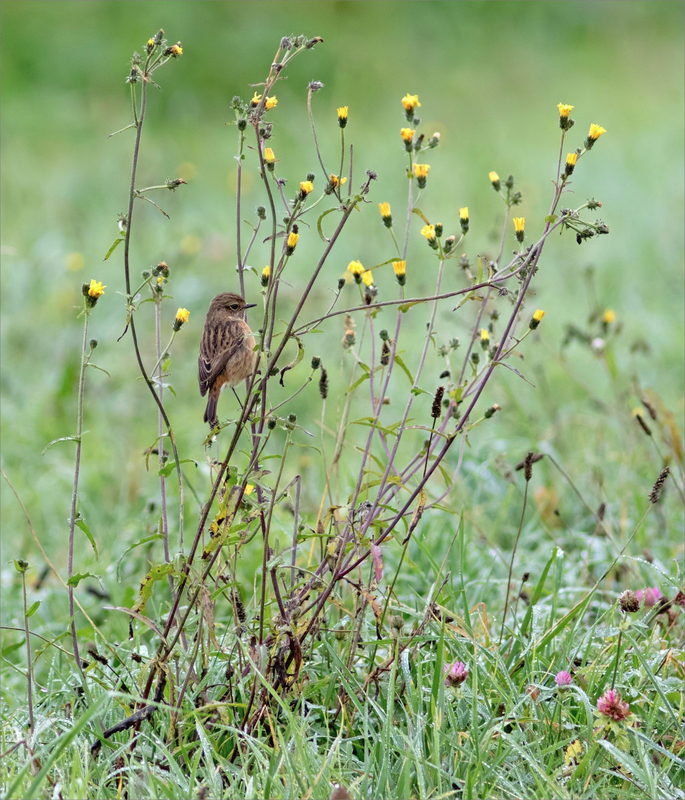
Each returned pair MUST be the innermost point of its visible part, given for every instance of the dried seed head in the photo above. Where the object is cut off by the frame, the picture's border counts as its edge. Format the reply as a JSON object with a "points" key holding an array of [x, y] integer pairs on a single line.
{"points": [[528, 466], [629, 602], [385, 354], [316, 362], [437, 402], [238, 605], [655, 494], [323, 384]]}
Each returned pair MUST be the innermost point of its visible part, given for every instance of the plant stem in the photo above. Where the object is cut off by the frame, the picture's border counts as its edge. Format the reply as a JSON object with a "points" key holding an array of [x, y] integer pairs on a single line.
{"points": [[511, 563], [29, 672]]}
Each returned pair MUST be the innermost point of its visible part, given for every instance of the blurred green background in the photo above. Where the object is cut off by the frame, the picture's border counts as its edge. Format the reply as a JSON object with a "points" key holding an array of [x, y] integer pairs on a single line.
{"points": [[489, 76]]}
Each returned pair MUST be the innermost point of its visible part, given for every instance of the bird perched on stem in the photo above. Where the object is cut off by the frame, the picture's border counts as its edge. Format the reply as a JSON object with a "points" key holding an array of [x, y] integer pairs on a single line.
{"points": [[227, 354]]}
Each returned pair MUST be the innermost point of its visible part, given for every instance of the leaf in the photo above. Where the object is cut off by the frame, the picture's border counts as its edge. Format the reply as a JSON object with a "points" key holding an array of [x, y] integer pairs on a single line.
{"points": [[133, 546], [551, 218], [62, 439], [480, 270], [32, 610], [377, 559], [358, 382], [318, 224], [296, 360], [513, 369], [419, 213], [114, 246], [207, 606], [168, 468], [406, 306], [80, 576], [403, 366], [156, 573], [95, 366], [81, 523]]}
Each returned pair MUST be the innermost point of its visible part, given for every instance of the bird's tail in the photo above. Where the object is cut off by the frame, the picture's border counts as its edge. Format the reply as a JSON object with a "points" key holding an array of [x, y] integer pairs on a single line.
{"points": [[210, 412]]}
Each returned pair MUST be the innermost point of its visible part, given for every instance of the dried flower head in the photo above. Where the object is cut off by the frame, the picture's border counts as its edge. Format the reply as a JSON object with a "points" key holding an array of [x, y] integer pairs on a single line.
{"points": [[323, 383], [655, 494], [611, 705], [437, 402], [629, 602]]}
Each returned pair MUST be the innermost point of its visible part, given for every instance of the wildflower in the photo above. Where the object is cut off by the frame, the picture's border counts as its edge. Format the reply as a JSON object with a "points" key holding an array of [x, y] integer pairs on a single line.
{"points": [[456, 674], [611, 705], [629, 602], [536, 319], [609, 316], [429, 232], [334, 181], [449, 243], [565, 121], [181, 318], [434, 141], [563, 678], [271, 102], [410, 102], [266, 274], [175, 51], [342, 116], [494, 180], [249, 488], [421, 172], [407, 135], [593, 134], [651, 596], [484, 338], [356, 269], [269, 159], [571, 159], [489, 412], [291, 244], [305, 188], [386, 214], [255, 100], [520, 227], [367, 277], [572, 753], [93, 291], [400, 269], [349, 339], [464, 219]]}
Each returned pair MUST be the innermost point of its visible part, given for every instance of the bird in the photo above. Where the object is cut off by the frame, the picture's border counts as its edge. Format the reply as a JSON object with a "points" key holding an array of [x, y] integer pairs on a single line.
{"points": [[227, 354]]}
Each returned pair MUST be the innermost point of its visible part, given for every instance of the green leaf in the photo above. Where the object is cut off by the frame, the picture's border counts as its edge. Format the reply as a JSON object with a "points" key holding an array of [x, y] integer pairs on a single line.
{"points": [[80, 576], [419, 213], [32, 610], [156, 573], [114, 246], [296, 360], [551, 218], [406, 306], [403, 366], [168, 468], [318, 224], [81, 523], [132, 547], [20, 565], [358, 382], [95, 366], [62, 439]]}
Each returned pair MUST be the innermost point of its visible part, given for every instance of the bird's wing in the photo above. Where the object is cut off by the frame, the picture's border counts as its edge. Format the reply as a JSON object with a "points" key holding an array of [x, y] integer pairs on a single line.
{"points": [[215, 354]]}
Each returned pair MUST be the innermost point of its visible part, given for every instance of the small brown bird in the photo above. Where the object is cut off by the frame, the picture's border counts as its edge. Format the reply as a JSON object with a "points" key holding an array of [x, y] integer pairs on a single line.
{"points": [[227, 353]]}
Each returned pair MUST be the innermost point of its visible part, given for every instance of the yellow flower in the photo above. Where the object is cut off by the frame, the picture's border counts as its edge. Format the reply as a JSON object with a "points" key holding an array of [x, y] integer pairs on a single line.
{"points": [[269, 156], [249, 488], [609, 316], [182, 315], [564, 110], [356, 268], [271, 102], [572, 753], [292, 242], [571, 159], [494, 180], [150, 42], [464, 213], [176, 50], [342, 116], [410, 102], [266, 273], [335, 181], [484, 335], [306, 187], [519, 227], [594, 133], [255, 99], [400, 268], [367, 277], [638, 412], [538, 315], [96, 289], [385, 210], [421, 170], [429, 232], [160, 280], [407, 135]]}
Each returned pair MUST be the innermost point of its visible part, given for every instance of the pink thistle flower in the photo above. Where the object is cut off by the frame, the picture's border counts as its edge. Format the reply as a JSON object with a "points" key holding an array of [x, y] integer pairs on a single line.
{"points": [[611, 705], [456, 674], [563, 678]]}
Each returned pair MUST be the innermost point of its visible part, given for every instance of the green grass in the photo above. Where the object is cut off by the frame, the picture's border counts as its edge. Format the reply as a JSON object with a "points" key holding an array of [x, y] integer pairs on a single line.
{"points": [[489, 76]]}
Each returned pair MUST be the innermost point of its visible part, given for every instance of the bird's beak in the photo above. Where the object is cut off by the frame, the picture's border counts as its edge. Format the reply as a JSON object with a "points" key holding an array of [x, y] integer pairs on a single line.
{"points": [[251, 305]]}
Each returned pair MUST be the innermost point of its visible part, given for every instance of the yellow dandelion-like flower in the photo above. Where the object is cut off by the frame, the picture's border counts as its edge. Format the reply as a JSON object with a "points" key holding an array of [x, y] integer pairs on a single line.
{"points": [[269, 156], [385, 210], [538, 315], [429, 232], [292, 242], [335, 181], [410, 102], [571, 159], [182, 315], [407, 135], [249, 488], [639, 412], [96, 289], [564, 110], [494, 180], [266, 274], [367, 277], [176, 50], [255, 100], [519, 227], [484, 335], [356, 268], [271, 102], [421, 170], [593, 134], [464, 213], [306, 187], [342, 116], [609, 316], [400, 268], [150, 42]]}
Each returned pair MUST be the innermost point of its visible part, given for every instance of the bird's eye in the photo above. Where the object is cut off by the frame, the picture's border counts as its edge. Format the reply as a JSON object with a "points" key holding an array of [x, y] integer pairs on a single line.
{"points": [[234, 307]]}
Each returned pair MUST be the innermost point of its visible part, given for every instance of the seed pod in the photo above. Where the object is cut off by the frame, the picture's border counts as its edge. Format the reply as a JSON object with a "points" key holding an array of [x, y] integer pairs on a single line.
{"points": [[385, 354], [437, 402], [655, 494], [323, 384]]}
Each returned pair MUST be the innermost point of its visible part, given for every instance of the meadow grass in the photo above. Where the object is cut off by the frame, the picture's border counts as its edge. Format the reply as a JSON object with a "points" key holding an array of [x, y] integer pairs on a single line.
{"points": [[370, 710]]}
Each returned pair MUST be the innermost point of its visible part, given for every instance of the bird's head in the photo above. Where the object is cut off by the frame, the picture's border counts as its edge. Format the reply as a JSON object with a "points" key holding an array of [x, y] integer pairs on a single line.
{"points": [[231, 304]]}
